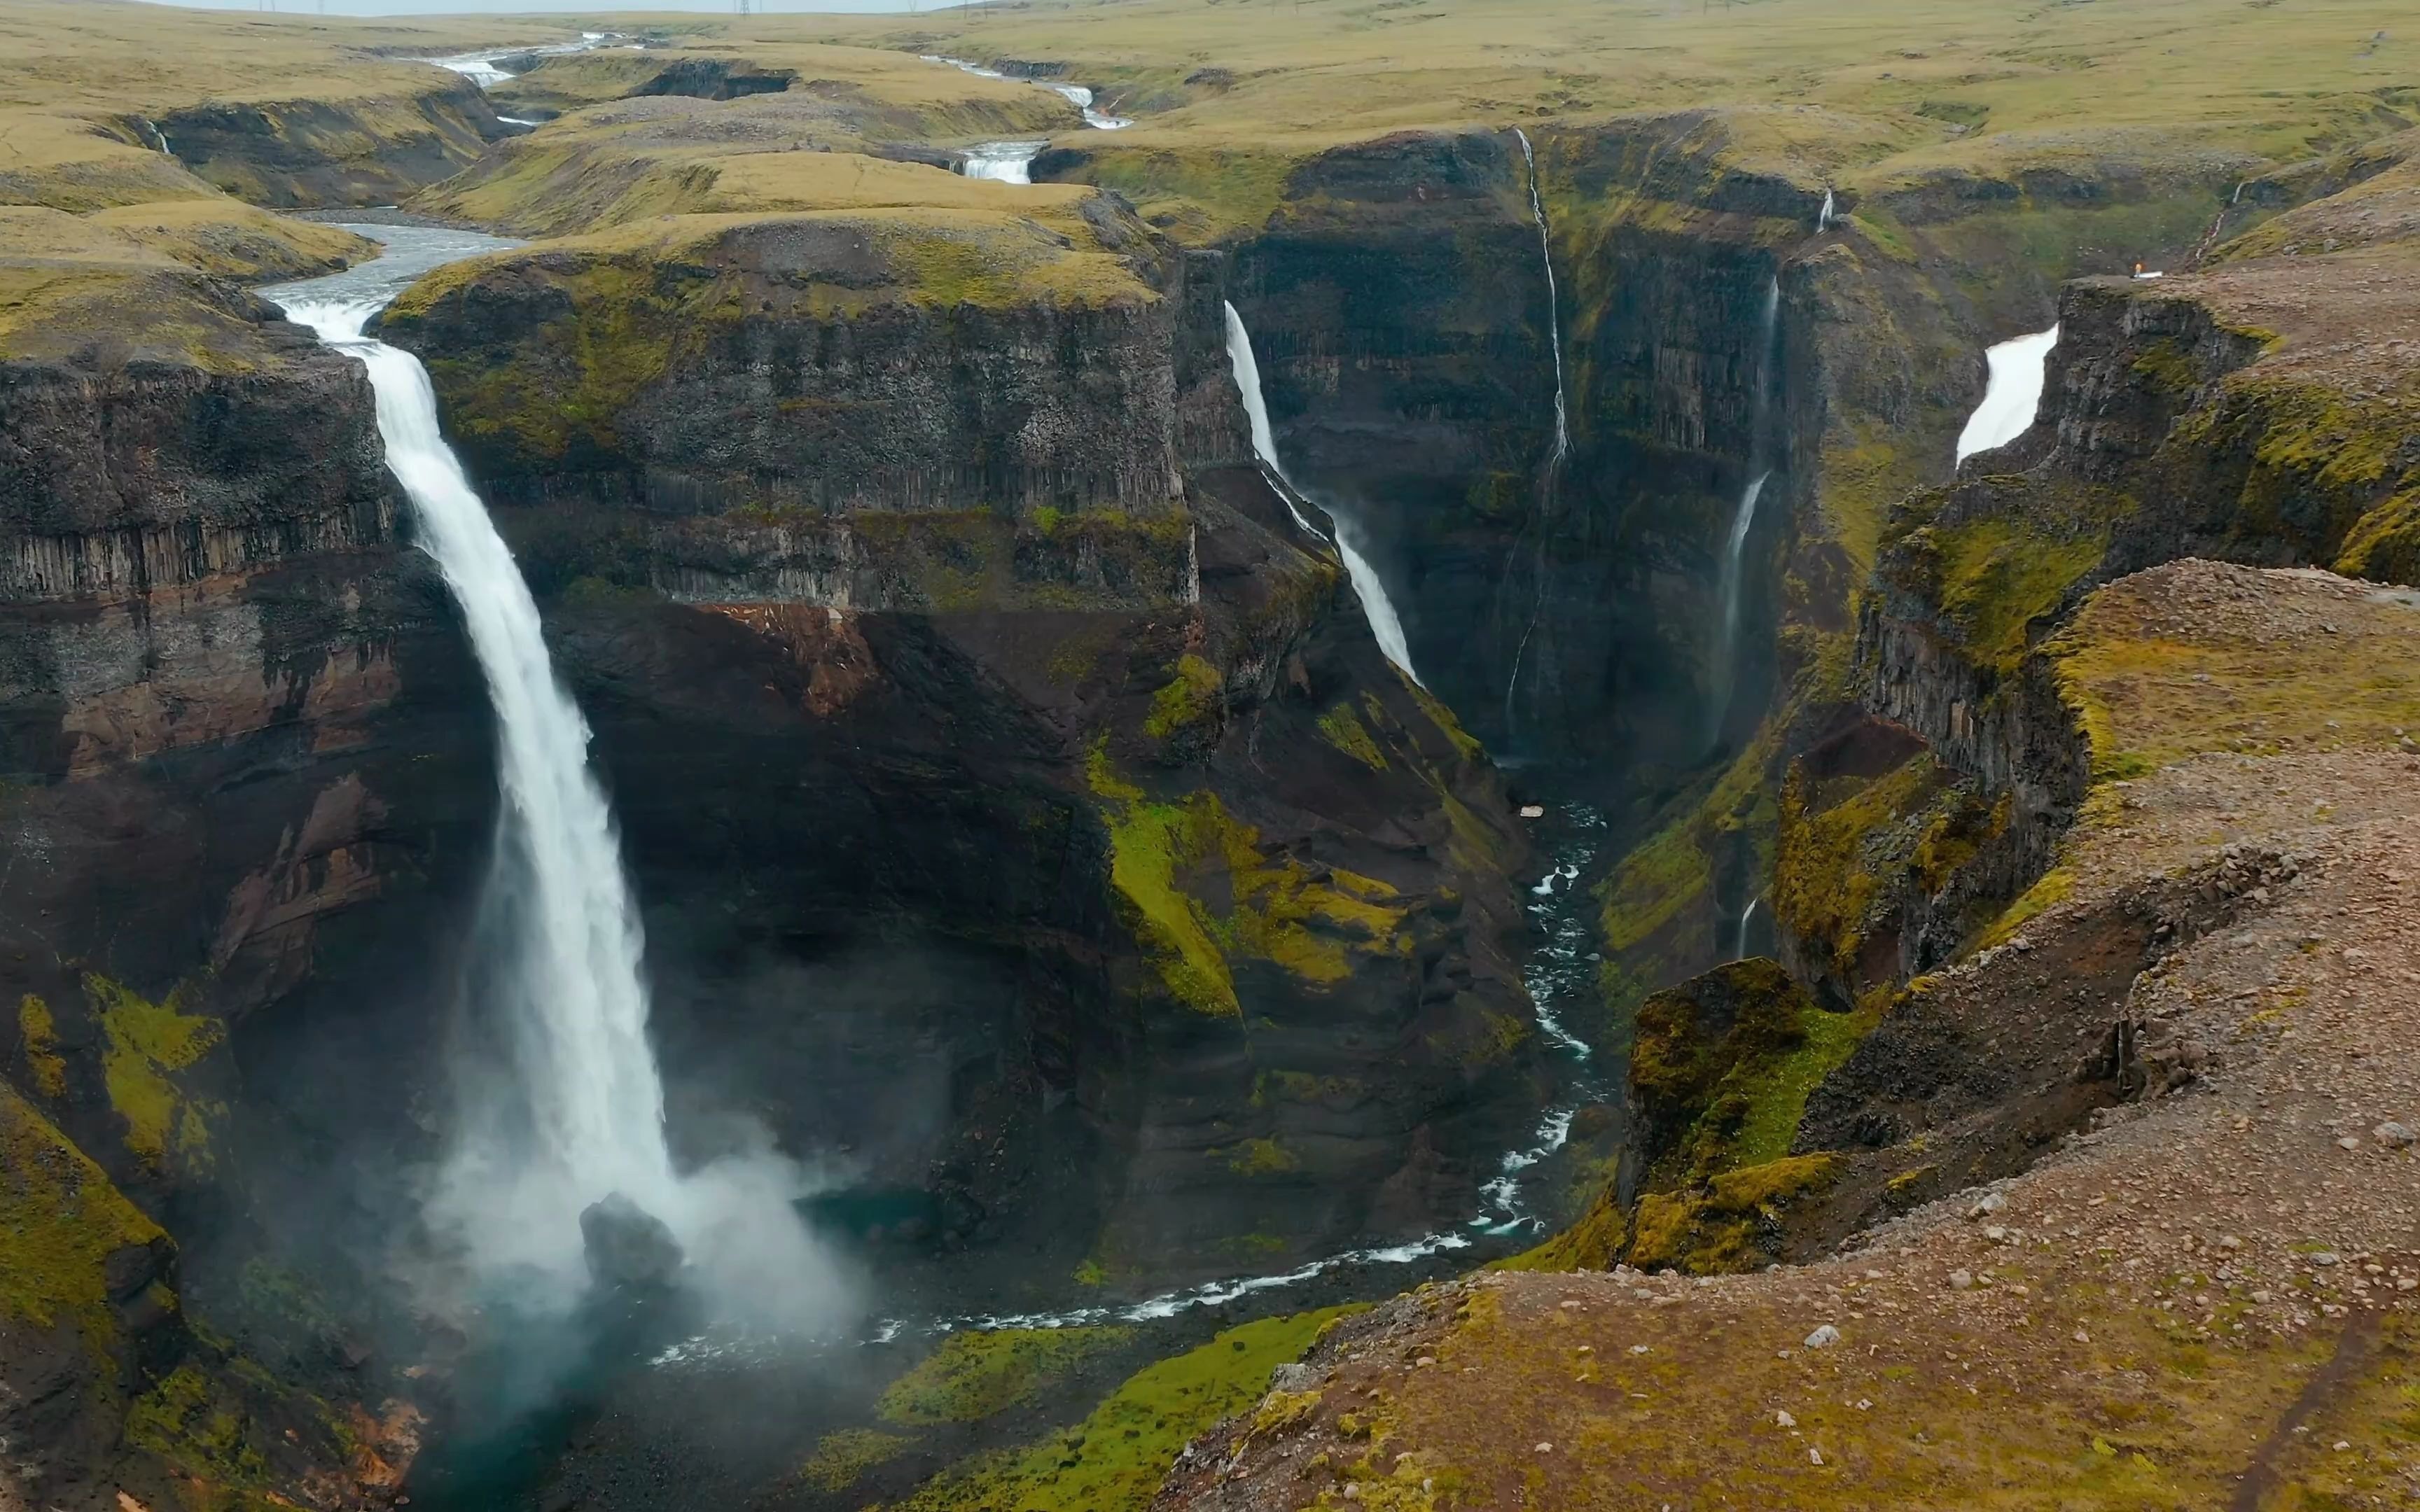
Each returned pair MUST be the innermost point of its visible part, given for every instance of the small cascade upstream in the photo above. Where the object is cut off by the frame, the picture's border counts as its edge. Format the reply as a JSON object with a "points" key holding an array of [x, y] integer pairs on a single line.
{"points": [[1079, 96], [1006, 162], [2011, 395], [1824, 216], [1730, 582], [480, 67], [576, 1113], [1350, 544]]}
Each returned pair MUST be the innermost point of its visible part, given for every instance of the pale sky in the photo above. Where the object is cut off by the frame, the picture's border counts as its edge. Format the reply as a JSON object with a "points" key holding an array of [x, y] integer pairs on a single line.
{"points": [[523, 8]]}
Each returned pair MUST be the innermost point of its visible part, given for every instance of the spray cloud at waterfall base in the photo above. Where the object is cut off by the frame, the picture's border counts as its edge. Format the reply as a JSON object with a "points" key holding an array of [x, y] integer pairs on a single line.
{"points": [[559, 1104]]}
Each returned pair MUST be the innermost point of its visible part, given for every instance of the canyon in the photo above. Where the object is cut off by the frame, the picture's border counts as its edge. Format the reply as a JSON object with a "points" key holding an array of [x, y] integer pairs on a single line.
{"points": [[1201, 674]]}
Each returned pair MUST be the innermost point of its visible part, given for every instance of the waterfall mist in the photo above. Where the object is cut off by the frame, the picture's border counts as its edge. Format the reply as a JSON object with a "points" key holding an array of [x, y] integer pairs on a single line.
{"points": [[559, 1102]]}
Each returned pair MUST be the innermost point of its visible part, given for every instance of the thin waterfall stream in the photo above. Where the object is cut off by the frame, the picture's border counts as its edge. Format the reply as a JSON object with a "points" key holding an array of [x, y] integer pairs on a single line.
{"points": [[1730, 580], [1551, 476]]}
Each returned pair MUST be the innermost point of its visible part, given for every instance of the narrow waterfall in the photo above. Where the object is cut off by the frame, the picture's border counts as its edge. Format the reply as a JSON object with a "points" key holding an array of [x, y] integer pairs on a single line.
{"points": [[592, 1099], [1554, 307], [1351, 545], [2011, 395], [1747, 917], [1562, 443], [1731, 576], [1824, 216]]}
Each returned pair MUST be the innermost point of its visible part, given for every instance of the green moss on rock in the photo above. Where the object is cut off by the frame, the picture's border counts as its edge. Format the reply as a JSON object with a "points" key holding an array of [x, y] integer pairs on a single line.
{"points": [[1113, 1461], [38, 1032], [60, 1221], [979, 1373], [1168, 862], [147, 1043]]}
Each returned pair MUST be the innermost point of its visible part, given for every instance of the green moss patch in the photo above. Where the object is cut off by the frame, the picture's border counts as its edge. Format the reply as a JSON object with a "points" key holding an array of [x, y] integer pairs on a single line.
{"points": [[1190, 699], [60, 1219], [1343, 728], [38, 1034], [840, 1459], [147, 1043], [979, 1373], [1114, 1459], [1172, 861]]}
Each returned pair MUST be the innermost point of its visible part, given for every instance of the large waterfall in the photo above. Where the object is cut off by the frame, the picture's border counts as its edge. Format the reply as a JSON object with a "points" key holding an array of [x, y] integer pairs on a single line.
{"points": [[576, 1112], [1350, 543]]}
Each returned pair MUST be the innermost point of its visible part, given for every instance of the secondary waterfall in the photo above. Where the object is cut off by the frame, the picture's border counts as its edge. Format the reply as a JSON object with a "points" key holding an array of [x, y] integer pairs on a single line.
{"points": [[1731, 576], [1350, 544], [576, 1110], [1554, 307], [1562, 442], [1824, 216], [2011, 395]]}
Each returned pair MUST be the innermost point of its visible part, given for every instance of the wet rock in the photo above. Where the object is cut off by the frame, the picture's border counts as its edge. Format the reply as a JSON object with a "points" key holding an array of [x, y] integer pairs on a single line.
{"points": [[628, 1246]]}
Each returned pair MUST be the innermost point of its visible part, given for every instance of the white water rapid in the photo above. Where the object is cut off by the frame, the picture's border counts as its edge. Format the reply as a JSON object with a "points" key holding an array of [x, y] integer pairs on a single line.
{"points": [[576, 1111], [2011, 395], [1006, 162], [1350, 543], [1078, 95], [480, 67]]}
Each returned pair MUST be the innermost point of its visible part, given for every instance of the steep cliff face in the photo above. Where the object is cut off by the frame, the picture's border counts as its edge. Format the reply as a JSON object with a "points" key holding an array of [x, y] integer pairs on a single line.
{"points": [[811, 366], [245, 787]]}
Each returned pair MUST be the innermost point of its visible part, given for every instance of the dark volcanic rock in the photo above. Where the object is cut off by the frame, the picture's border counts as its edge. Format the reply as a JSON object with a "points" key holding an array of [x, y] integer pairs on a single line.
{"points": [[626, 1246]]}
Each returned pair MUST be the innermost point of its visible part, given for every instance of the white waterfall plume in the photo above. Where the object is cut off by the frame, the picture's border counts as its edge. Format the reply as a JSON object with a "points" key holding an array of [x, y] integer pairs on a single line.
{"points": [[577, 1111], [1824, 216], [2011, 395], [1384, 625]]}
